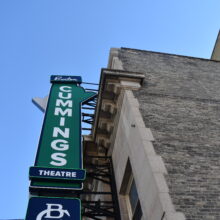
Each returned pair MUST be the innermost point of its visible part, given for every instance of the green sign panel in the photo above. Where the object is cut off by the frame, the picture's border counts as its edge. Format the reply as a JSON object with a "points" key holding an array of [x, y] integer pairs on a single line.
{"points": [[59, 162]]}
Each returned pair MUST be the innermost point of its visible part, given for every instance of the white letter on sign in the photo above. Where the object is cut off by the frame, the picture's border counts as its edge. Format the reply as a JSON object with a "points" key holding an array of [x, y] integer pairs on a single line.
{"points": [[60, 111], [60, 102], [58, 157], [64, 133], [63, 145], [65, 88]]}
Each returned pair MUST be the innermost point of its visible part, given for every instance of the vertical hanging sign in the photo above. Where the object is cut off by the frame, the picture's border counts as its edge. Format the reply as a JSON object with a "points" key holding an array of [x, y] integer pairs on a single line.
{"points": [[58, 163]]}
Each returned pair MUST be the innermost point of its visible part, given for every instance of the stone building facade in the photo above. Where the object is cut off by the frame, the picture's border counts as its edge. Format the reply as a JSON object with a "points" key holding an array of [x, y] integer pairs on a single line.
{"points": [[158, 117]]}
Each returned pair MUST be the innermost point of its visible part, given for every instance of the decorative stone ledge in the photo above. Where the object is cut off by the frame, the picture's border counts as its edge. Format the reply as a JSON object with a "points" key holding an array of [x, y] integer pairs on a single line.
{"points": [[113, 83]]}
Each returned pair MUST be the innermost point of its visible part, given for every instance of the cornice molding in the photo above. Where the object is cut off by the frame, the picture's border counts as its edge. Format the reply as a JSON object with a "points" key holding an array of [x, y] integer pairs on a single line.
{"points": [[113, 83]]}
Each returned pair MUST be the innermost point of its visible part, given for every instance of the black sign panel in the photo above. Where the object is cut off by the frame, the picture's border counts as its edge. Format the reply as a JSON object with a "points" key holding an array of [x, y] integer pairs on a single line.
{"points": [[66, 79], [42, 208], [54, 174]]}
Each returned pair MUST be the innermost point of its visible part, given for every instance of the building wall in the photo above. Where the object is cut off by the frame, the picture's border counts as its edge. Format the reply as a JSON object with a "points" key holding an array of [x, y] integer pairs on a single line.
{"points": [[133, 143], [180, 103]]}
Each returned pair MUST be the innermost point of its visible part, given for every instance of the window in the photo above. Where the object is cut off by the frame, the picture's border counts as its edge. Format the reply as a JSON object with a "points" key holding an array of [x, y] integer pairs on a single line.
{"points": [[133, 200], [129, 190]]}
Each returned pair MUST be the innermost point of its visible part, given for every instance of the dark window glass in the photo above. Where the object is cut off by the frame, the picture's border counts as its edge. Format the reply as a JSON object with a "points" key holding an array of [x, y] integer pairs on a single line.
{"points": [[134, 202], [138, 212], [133, 196]]}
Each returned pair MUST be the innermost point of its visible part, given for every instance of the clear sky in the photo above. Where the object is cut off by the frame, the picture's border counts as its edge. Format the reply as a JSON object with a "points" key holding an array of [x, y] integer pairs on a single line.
{"points": [[43, 37]]}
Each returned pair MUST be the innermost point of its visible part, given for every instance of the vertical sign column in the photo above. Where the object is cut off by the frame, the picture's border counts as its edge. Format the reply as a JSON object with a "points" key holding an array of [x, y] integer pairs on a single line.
{"points": [[59, 162]]}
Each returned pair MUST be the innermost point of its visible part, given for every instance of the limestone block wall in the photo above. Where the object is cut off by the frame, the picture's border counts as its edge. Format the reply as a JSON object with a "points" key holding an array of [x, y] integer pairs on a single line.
{"points": [[133, 141]]}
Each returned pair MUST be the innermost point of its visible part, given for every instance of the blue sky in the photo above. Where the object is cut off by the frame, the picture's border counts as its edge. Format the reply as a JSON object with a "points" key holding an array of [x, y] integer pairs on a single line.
{"points": [[43, 37]]}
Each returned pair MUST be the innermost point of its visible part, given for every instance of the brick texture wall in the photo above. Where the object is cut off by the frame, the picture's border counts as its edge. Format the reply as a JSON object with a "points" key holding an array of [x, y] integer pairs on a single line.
{"points": [[180, 102]]}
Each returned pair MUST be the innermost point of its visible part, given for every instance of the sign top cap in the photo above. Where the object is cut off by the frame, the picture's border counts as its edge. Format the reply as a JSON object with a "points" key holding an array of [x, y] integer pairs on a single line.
{"points": [[65, 79]]}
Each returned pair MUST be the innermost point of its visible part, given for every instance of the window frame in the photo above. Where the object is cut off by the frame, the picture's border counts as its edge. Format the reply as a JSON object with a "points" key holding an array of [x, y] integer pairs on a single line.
{"points": [[132, 211], [125, 189]]}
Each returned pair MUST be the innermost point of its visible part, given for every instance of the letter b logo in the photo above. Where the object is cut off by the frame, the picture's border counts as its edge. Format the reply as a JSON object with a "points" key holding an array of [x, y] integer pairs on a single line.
{"points": [[53, 211]]}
